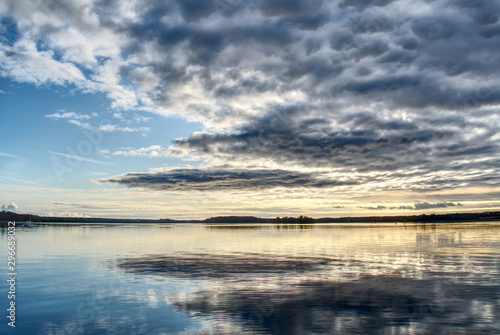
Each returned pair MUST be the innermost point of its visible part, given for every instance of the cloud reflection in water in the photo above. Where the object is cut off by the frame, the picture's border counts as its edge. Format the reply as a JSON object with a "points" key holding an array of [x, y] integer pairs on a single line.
{"points": [[237, 295], [206, 265]]}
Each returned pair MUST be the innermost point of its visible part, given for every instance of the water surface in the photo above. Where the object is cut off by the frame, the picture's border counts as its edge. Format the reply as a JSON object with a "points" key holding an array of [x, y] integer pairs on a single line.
{"points": [[257, 279]]}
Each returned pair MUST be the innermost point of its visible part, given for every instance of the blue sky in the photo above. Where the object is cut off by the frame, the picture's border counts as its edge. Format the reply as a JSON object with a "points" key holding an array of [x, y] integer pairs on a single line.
{"points": [[36, 124], [222, 107]]}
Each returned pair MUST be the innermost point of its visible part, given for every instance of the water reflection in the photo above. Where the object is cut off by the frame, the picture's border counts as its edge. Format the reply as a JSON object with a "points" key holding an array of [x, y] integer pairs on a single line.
{"points": [[259, 279], [277, 295], [214, 265], [233, 227], [259, 226], [371, 305], [293, 226]]}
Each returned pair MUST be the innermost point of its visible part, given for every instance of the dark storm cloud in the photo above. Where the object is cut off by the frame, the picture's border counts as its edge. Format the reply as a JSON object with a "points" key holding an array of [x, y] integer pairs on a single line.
{"points": [[428, 48], [293, 8], [361, 4], [394, 42], [450, 38], [220, 179], [483, 12], [361, 140], [365, 141]]}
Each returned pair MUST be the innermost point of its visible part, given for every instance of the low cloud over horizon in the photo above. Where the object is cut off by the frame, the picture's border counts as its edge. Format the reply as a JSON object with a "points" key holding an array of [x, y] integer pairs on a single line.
{"points": [[10, 207], [417, 206]]}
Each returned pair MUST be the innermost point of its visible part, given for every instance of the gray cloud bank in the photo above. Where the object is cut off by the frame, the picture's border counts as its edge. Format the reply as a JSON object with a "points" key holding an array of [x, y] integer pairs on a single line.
{"points": [[418, 206], [406, 88], [360, 140], [219, 179]]}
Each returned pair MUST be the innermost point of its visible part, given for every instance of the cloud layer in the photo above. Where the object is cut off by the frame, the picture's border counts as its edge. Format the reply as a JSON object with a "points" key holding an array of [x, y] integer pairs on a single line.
{"points": [[223, 179], [417, 206]]}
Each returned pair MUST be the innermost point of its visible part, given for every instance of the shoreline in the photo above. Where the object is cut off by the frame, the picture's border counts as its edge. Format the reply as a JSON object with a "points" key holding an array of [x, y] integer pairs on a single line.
{"points": [[5, 217]]}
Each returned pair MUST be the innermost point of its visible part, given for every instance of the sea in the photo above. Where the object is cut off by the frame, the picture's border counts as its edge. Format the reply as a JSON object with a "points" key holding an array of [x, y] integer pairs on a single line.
{"points": [[393, 278]]}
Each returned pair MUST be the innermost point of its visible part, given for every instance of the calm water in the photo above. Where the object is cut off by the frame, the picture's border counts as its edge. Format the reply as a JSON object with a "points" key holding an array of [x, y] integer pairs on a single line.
{"points": [[256, 279]]}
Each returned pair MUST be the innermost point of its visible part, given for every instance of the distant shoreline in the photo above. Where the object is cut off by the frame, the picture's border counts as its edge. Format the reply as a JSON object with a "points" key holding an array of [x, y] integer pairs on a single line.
{"points": [[5, 217]]}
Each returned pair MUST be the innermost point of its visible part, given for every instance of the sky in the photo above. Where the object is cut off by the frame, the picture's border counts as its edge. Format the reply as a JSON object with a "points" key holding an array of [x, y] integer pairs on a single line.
{"points": [[192, 109]]}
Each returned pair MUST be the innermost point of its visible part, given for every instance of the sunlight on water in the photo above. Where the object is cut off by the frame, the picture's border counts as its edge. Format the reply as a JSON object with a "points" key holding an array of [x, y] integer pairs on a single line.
{"points": [[258, 279]]}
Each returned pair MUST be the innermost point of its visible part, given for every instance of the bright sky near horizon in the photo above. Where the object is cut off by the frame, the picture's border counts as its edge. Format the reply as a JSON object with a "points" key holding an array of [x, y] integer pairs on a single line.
{"points": [[192, 109]]}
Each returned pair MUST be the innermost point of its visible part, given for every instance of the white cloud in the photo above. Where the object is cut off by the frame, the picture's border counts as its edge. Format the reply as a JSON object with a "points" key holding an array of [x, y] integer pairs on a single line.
{"points": [[151, 152], [68, 214], [23, 181], [79, 158], [68, 115], [83, 125], [108, 127], [10, 207], [118, 116], [4, 154], [111, 127], [138, 118], [37, 67]]}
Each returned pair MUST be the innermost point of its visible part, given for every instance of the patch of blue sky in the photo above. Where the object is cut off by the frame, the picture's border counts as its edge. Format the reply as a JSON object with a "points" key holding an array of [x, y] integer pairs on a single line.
{"points": [[40, 121], [8, 31]]}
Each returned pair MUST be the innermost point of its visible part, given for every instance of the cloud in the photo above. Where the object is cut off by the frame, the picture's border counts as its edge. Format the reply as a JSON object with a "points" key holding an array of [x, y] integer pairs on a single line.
{"points": [[38, 68], [222, 179], [6, 155], [22, 181], [79, 158], [107, 127], [371, 89], [104, 125], [67, 214], [378, 208], [77, 205], [68, 115], [10, 207], [404, 207], [154, 64], [111, 127], [151, 152], [361, 141], [426, 205], [416, 206]]}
